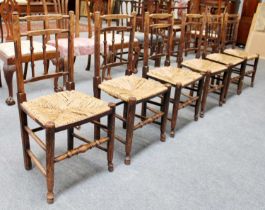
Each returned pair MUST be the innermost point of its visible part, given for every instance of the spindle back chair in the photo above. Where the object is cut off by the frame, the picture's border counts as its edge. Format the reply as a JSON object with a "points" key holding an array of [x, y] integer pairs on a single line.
{"points": [[191, 36], [160, 27], [129, 89], [238, 65], [58, 111], [231, 23], [216, 75], [212, 34], [157, 39]]}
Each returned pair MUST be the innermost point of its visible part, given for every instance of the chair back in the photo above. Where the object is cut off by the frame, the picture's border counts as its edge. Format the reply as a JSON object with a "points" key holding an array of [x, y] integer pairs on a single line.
{"points": [[109, 38], [36, 51], [191, 35], [230, 29], [178, 9], [61, 7], [157, 38], [7, 8], [212, 33]]}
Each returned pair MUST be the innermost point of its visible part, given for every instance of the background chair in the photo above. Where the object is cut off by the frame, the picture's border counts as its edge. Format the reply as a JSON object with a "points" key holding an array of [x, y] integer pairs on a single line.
{"points": [[58, 111], [216, 75], [130, 90], [238, 65], [7, 53], [231, 23], [160, 26]]}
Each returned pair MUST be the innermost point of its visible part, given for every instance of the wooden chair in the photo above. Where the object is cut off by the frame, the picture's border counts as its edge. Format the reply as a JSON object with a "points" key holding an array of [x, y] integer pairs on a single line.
{"points": [[211, 70], [129, 89], [7, 53], [58, 111], [160, 25], [231, 23], [238, 65]]}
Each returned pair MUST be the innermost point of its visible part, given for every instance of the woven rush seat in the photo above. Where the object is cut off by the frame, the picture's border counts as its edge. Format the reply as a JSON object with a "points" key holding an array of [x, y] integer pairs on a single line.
{"points": [[64, 108], [203, 65], [174, 75], [241, 54], [225, 59], [7, 49], [132, 86]]}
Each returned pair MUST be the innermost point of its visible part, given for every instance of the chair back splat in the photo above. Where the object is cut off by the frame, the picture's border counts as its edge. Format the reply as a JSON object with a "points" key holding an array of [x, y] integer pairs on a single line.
{"points": [[43, 52], [157, 39], [191, 36], [108, 39]]}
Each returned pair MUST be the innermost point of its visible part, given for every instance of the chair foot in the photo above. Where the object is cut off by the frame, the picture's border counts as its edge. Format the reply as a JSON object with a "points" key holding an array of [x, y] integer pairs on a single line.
{"points": [[127, 161], [10, 101], [252, 85], [239, 92], [172, 134], [163, 137], [202, 114], [50, 197], [110, 167], [28, 168], [220, 103], [196, 118]]}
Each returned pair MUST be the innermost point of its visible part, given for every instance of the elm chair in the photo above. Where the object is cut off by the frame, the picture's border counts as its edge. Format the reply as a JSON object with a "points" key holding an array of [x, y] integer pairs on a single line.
{"points": [[130, 90], [213, 71], [238, 65], [7, 53], [231, 23], [62, 111], [181, 80]]}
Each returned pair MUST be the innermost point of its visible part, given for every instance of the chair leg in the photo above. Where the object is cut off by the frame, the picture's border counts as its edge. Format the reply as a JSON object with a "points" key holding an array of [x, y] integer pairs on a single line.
{"points": [[25, 70], [199, 95], [224, 84], [97, 94], [88, 63], [70, 139], [175, 109], [25, 140], [0, 79], [205, 93], [125, 107], [241, 78], [229, 74], [9, 72], [50, 134], [144, 109], [111, 135], [254, 71], [164, 109], [1, 30], [129, 129]]}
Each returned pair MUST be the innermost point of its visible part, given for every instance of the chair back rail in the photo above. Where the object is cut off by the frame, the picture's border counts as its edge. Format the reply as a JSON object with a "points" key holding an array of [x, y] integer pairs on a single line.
{"points": [[157, 38], [43, 54], [109, 38]]}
